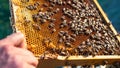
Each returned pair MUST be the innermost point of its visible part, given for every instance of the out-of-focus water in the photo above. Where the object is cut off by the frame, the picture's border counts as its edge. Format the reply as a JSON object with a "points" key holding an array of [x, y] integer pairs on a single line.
{"points": [[112, 9]]}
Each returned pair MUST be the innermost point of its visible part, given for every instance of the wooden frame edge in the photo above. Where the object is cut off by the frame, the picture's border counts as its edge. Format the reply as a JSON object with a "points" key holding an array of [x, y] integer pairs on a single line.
{"points": [[12, 17], [78, 60], [107, 20]]}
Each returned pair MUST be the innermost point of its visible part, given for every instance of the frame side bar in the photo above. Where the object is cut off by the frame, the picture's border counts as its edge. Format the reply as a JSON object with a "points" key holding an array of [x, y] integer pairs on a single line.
{"points": [[78, 60], [107, 20], [12, 19]]}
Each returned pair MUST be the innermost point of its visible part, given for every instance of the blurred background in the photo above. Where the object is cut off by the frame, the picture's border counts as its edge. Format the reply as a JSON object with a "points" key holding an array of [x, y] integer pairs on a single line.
{"points": [[5, 28], [111, 7]]}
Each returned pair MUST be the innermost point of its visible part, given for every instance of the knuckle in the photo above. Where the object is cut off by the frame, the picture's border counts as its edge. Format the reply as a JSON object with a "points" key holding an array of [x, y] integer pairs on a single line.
{"points": [[30, 53]]}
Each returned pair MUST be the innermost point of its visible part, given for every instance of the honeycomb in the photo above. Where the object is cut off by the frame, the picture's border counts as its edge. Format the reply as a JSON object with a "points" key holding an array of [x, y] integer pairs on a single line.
{"points": [[64, 27]]}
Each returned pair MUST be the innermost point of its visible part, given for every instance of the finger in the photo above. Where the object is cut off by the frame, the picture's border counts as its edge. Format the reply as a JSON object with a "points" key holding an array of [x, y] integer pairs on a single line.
{"points": [[31, 60], [29, 66], [16, 39], [27, 56], [24, 65]]}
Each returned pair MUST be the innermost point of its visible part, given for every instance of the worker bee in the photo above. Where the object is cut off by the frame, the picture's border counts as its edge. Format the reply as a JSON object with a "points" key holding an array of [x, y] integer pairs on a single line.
{"points": [[37, 27]]}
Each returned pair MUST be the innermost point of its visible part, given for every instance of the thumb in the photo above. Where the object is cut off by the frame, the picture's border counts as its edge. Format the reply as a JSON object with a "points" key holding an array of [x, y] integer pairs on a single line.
{"points": [[16, 39]]}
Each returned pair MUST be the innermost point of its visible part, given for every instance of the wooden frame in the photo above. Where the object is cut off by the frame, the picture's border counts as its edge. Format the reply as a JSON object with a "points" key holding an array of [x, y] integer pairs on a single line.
{"points": [[80, 60], [77, 60]]}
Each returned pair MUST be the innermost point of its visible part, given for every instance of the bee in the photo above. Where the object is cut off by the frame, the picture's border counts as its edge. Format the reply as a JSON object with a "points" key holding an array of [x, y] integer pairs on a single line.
{"points": [[31, 7], [45, 5], [37, 27], [51, 25], [53, 30], [26, 20], [67, 44], [24, 1]]}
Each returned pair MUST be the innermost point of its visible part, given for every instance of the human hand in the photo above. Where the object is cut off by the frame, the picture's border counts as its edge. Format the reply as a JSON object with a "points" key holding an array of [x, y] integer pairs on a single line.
{"points": [[13, 53]]}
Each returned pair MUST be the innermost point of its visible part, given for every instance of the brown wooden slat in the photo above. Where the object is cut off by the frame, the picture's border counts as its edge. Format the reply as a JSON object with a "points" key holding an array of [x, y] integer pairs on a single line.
{"points": [[78, 60]]}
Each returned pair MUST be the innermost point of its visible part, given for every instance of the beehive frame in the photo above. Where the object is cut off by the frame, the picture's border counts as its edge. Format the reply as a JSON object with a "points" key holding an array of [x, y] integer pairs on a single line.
{"points": [[76, 60]]}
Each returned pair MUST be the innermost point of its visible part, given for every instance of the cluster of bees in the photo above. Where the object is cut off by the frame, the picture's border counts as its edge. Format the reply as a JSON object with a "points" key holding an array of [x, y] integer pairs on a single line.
{"points": [[80, 27]]}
